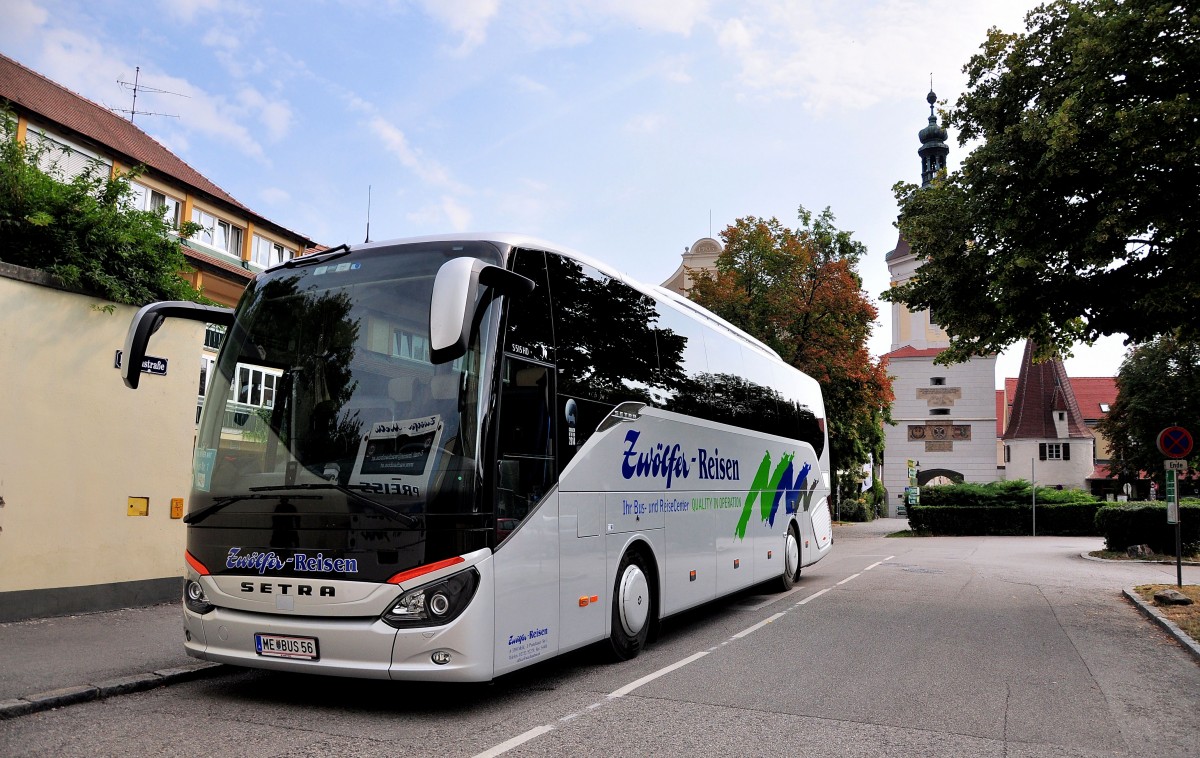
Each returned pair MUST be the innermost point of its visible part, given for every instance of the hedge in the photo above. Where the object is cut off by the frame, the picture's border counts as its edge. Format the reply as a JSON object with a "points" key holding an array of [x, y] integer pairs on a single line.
{"points": [[1015, 492], [1066, 519], [1141, 523]]}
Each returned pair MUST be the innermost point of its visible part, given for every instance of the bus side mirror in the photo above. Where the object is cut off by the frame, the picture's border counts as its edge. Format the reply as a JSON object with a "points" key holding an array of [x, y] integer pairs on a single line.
{"points": [[456, 291], [148, 320]]}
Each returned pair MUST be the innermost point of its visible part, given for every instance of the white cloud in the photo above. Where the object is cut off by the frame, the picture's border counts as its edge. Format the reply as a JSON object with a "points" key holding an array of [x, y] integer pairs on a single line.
{"points": [[449, 212], [397, 144], [469, 18], [647, 123], [275, 196], [856, 54], [274, 115], [562, 23], [456, 213], [674, 17], [526, 84], [22, 20]]}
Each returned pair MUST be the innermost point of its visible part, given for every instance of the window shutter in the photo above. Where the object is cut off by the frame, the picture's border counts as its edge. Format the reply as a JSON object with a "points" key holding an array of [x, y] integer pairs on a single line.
{"points": [[1066, 451], [1041, 451]]}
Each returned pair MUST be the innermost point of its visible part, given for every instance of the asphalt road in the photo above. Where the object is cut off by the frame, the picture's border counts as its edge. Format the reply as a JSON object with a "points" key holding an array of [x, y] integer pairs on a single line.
{"points": [[889, 647]]}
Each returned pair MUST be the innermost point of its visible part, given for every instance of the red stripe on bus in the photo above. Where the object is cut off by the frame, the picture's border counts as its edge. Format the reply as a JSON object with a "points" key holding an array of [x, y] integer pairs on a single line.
{"points": [[192, 561], [428, 568]]}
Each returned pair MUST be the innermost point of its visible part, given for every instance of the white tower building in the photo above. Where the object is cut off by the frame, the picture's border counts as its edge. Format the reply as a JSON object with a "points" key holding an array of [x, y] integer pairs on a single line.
{"points": [[945, 415]]}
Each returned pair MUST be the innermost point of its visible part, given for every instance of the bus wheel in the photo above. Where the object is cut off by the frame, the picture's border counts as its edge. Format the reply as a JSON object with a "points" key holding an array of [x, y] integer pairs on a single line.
{"points": [[633, 603], [791, 560]]}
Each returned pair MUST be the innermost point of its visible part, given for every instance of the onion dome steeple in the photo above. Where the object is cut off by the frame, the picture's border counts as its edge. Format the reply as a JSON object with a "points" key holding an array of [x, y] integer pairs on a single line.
{"points": [[933, 150]]}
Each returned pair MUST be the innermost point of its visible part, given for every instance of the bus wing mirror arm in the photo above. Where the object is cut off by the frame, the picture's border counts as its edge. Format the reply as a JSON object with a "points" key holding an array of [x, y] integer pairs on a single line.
{"points": [[456, 291], [148, 320]]}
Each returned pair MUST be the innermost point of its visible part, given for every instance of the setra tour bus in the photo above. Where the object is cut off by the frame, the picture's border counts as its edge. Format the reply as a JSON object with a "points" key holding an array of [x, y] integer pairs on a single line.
{"points": [[468, 454]]}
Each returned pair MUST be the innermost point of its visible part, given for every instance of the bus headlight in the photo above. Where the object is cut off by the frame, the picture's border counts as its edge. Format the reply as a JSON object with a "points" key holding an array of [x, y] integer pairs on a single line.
{"points": [[434, 604], [194, 598]]}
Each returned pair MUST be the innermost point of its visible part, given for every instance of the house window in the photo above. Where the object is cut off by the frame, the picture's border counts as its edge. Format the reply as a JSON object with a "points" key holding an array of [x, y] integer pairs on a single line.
{"points": [[939, 411], [268, 253], [1054, 451], [1104, 407], [218, 233], [214, 334], [255, 387], [1007, 454], [64, 159], [937, 381], [147, 199]]}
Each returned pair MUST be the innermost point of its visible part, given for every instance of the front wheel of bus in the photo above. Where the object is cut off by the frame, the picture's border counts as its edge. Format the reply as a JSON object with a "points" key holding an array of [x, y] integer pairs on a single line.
{"points": [[633, 604], [791, 560]]}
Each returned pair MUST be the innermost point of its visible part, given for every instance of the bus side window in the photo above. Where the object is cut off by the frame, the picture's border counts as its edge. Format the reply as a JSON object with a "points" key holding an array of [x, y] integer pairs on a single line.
{"points": [[525, 454]]}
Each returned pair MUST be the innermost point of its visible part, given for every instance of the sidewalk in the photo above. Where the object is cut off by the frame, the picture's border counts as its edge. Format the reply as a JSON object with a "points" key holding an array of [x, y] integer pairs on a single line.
{"points": [[49, 662]]}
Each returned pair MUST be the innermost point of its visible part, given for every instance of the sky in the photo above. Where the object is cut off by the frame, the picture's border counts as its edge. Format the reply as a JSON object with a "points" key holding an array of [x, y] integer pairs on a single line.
{"points": [[625, 129]]}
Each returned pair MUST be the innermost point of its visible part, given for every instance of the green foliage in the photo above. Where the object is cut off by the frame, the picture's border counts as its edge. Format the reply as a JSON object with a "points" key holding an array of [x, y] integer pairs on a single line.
{"points": [[85, 230], [1007, 493], [1158, 386], [1072, 518], [1074, 217], [1127, 524], [798, 291]]}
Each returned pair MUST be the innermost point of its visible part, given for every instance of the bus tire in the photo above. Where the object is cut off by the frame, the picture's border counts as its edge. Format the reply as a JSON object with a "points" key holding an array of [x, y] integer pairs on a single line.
{"points": [[791, 559], [632, 608]]}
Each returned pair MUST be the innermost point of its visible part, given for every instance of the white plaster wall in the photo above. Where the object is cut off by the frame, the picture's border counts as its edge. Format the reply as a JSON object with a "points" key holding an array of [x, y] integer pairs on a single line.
{"points": [[974, 459], [1024, 464], [75, 443]]}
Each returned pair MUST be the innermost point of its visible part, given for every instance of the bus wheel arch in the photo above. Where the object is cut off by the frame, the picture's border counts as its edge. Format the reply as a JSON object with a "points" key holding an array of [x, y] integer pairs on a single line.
{"points": [[791, 558], [634, 602]]}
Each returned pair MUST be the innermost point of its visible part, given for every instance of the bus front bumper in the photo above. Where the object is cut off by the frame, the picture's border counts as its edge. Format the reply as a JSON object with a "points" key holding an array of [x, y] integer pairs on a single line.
{"points": [[351, 647]]}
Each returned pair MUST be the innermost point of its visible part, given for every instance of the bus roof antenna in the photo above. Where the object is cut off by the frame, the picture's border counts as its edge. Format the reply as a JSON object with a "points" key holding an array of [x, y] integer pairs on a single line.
{"points": [[368, 239]]}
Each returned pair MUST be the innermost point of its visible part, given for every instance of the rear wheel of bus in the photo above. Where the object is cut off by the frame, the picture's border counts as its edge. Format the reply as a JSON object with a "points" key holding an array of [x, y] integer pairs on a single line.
{"points": [[633, 606]]}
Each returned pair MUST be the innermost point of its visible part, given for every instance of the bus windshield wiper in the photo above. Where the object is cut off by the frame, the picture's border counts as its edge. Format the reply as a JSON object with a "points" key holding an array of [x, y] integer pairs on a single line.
{"points": [[348, 492], [217, 505]]}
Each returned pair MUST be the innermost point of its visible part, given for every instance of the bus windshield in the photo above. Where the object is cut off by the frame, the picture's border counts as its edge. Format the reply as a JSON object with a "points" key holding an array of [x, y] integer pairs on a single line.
{"points": [[327, 426]]}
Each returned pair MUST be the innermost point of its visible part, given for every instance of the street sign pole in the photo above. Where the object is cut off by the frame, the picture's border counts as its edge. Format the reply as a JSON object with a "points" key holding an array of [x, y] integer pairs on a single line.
{"points": [[1174, 467], [1175, 442]]}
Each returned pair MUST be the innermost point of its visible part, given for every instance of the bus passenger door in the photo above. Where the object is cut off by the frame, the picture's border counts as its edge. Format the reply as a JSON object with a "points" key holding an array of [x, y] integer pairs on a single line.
{"points": [[525, 497]]}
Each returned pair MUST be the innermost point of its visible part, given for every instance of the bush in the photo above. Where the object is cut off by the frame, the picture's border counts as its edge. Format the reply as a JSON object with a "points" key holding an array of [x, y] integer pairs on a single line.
{"points": [[856, 510], [85, 231], [1010, 493], [1140, 523], [1066, 519]]}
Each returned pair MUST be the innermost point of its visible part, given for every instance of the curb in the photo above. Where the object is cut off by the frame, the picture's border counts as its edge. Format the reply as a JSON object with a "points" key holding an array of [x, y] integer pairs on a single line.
{"points": [[1089, 557], [1170, 626], [44, 701]]}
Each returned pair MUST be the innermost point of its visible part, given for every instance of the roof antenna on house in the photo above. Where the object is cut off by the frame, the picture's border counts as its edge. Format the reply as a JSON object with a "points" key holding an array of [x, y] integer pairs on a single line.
{"points": [[368, 239], [136, 87]]}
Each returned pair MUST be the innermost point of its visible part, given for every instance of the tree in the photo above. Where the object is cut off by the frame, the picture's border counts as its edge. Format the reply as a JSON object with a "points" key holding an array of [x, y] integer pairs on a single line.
{"points": [[798, 291], [1076, 216], [85, 230], [1158, 386]]}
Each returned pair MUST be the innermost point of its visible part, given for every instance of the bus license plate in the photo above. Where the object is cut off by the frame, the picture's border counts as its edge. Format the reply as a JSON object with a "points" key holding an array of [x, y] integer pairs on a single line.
{"points": [[286, 646]]}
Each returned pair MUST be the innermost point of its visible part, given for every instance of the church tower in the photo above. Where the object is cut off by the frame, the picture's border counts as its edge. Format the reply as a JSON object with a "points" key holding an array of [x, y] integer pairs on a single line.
{"points": [[945, 415]]}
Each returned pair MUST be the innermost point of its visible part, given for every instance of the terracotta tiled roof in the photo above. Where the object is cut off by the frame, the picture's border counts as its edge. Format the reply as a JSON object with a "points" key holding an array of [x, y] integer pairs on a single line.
{"points": [[1093, 391], [1043, 389], [211, 260], [49, 101], [908, 351]]}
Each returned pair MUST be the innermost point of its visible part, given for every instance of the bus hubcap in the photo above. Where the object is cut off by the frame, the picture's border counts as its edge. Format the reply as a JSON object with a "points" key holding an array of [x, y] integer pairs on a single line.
{"points": [[791, 554], [634, 600]]}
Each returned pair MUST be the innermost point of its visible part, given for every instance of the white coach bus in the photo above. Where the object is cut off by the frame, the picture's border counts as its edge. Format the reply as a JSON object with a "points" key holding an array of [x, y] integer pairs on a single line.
{"points": [[482, 451]]}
